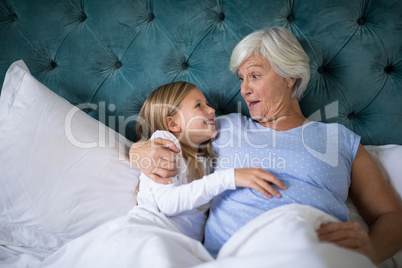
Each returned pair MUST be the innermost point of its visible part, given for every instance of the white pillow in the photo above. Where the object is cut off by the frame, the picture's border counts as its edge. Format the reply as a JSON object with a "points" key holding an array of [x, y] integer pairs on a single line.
{"points": [[62, 173], [389, 159]]}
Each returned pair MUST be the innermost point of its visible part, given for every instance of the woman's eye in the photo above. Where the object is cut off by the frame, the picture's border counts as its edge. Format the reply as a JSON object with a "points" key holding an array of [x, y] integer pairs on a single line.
{"points": [[255, 76]]}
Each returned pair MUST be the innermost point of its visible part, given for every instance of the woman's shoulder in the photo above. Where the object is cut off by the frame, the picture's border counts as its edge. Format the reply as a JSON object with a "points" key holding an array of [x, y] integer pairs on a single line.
{"points": [[343, 133], [341, 128]]}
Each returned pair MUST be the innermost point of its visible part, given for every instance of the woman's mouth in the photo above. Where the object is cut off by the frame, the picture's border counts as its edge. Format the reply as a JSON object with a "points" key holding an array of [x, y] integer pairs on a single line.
{"points": [[253, 104]]}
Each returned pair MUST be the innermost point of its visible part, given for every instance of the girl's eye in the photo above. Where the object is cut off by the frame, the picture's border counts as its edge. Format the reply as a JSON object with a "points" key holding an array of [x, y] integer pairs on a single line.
{"points": [[241, 79], [198, 105]]}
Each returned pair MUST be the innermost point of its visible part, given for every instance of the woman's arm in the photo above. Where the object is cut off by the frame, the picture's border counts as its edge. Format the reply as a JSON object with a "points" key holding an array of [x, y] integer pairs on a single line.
{"points": [[173, 199], [155, 158], [379, 207]]}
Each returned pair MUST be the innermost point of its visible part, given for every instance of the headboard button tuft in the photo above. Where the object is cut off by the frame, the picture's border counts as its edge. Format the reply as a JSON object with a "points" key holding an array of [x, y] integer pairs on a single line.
{"points": [[83, 17], [185, 65], [87, 110], [221, 16], [53, 65], [361, 21], [151, 16], [290, 17], [14, 17], [321, 70], [118, 64], [389, 69]]}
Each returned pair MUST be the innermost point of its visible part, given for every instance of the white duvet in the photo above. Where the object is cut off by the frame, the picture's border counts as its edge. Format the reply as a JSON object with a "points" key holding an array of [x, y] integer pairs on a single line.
{"points": [[282, 237]]}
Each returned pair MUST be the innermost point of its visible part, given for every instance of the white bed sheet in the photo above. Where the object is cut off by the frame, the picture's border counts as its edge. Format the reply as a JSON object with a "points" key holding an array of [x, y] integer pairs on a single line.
{"points": [[283, 237], [21, 257]]}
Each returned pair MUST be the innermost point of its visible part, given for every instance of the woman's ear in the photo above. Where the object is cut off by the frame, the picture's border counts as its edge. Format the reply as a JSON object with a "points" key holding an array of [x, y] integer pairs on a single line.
{"points": [[291, 82], [173, 126]]}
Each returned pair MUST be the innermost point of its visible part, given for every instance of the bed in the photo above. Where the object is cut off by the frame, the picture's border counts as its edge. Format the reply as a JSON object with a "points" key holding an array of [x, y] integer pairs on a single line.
{"points": [[76, 72]]}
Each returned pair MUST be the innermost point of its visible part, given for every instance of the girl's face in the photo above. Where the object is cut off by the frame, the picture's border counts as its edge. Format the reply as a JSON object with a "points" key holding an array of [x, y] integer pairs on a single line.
{"points": [[195, 121]]}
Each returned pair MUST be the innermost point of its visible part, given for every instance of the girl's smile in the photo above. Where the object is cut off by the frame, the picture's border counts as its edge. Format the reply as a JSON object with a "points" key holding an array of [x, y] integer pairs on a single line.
{"points": [[195, 121]]}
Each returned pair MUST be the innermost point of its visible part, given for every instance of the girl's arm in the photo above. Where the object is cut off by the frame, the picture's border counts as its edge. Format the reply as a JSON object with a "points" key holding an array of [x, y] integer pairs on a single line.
{"points": [[173, 199], [177, 197]]}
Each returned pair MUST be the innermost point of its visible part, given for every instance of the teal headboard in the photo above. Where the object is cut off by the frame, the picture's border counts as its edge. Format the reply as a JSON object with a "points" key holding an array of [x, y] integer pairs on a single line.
{"points": [[112, 54]]}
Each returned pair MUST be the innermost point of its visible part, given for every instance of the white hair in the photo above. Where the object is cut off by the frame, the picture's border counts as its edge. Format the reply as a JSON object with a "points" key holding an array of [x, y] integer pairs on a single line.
{"points": [[283, 51]]}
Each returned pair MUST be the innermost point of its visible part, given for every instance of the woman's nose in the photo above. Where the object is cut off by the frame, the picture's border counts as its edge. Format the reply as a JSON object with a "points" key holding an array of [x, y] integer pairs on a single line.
{"points": [[245, 88]]}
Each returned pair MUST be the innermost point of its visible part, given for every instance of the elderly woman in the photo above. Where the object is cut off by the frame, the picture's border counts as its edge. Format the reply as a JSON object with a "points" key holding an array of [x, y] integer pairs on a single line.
{"points": [[321, 164]]}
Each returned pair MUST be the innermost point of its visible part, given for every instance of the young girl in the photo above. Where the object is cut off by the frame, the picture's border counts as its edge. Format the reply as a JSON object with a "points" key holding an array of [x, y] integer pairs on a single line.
{"points": [[179, 112], [166, 227]]}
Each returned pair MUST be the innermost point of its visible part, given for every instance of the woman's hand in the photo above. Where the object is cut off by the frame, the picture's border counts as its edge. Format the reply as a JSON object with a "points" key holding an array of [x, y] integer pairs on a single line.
{"points": [[155, 158], [258, 179], [350, 235]]}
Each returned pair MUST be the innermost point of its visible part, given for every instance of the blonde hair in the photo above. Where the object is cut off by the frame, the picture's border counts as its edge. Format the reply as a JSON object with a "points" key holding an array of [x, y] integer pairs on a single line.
{"points": [[283, 51], [164, 102]]}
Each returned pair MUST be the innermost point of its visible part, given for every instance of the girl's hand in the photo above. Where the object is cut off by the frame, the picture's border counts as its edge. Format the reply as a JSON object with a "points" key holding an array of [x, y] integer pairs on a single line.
{"points": [[155, 158], [350, 235], [258, 179]]}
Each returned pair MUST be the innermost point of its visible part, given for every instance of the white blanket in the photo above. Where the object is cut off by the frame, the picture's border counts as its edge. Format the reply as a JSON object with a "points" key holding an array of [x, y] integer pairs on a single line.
{"points": [[283, 237]]}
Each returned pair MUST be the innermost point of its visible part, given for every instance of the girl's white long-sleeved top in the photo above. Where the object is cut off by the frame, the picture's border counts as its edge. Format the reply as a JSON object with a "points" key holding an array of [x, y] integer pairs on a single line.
{"points": [[180, 206]]}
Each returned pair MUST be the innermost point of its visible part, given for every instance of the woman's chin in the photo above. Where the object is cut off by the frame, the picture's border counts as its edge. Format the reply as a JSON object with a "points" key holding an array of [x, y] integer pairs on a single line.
{"points": [[256, 117]]}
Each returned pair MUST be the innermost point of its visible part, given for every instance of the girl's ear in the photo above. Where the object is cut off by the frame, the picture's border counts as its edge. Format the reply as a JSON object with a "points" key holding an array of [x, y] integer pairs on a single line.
{"points": [[173, 126]]}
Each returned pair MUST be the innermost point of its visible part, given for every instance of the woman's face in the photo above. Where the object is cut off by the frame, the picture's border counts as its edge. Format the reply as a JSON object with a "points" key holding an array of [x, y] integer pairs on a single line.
{"points": [[266, 93]]}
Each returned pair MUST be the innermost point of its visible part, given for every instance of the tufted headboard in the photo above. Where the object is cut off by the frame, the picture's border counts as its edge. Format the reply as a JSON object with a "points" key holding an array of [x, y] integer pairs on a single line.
{"points": [[107, 56]]}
